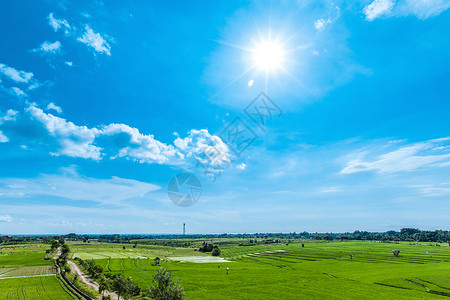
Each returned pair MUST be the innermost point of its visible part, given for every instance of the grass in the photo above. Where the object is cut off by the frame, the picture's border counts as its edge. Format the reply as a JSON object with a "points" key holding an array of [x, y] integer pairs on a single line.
{"points": [[319, 270]]}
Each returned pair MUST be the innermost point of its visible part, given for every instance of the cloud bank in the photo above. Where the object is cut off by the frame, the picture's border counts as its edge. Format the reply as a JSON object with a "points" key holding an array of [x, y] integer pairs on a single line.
{"points": [[34, 128]]}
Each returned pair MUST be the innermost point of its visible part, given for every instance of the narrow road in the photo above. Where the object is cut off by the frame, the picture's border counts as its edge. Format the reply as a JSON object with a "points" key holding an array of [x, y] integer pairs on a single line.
{"points": [[86, 280], [58, 253]]}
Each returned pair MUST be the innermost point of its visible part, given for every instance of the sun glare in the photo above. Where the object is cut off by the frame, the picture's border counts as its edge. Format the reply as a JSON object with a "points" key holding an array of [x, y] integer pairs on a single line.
{"points": [[268, 55]]}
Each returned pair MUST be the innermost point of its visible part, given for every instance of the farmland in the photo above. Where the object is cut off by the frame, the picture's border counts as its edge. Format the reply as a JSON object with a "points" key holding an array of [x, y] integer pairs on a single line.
{"points": [[42, 287], [25, 274], [318, 270]]}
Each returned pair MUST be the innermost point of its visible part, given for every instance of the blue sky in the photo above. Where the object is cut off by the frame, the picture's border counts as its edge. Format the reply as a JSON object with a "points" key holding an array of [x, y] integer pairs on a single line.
{"points": [[102, 103]]}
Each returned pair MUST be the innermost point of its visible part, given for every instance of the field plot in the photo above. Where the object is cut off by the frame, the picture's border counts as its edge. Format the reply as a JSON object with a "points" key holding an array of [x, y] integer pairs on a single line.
{"points": [[27, 271], [47, 287], [199, 259], [21, 256], [104, 251]]}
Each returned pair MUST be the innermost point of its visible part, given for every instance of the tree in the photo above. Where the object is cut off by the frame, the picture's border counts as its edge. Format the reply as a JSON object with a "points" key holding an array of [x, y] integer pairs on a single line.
{"points": [[125, 288], [119, 285], [164, 288], [55, 245], [103, 286], [216, 251]]}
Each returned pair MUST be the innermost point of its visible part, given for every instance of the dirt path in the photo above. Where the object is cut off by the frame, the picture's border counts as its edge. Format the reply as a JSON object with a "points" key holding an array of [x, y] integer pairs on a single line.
{"points": [[58, 253], [86, 280]]}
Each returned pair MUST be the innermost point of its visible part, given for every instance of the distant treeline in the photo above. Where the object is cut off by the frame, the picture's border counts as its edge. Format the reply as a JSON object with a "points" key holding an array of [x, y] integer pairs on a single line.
{"points": [[177, 240]]}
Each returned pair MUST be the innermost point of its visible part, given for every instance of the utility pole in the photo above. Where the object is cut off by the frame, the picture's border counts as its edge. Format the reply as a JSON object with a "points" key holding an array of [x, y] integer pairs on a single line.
{"points": [[184, 228]]}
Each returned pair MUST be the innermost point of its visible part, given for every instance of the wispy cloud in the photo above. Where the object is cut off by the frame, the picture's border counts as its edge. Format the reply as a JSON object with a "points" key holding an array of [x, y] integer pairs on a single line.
{"points": [[422, 9], [15, 75], [406, 158], [378, 8], [18, 92], [49, 48], [10, 115], [241, 166], [333, 15], [58, 23], [433, 190], [70, 185], [52, 106], [88, 37], [5, 218], [3, 138], [95, 40]]}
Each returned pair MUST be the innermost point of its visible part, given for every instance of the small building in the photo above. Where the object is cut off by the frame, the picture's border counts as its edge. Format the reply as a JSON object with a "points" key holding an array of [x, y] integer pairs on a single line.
{"points": [[157, 260]]}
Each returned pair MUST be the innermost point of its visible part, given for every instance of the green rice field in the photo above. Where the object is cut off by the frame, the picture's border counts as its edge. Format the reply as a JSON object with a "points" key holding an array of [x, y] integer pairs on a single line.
{"points": [[320, 270]]}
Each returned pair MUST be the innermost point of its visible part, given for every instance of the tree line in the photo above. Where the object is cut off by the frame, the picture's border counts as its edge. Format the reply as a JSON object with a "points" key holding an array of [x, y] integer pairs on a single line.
{"points": [[177, 240]]}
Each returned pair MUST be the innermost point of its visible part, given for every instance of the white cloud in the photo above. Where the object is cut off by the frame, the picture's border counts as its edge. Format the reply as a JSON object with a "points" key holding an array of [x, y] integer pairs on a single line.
{"points": [[422, 9], [57, 23], [69, 63], [404, 159], [17, 91], [378, 8], [10, 115], [15, 75], [47, 47], [140, 147], [5, 218], [74, 141], [320, 24], [241, 166], [54, 107], [3, 138], [95, 41], [207, 150]]}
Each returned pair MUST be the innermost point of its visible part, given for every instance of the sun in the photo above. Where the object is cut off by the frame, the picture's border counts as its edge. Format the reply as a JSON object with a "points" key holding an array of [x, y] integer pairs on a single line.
{"points": [[268, 55]]}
